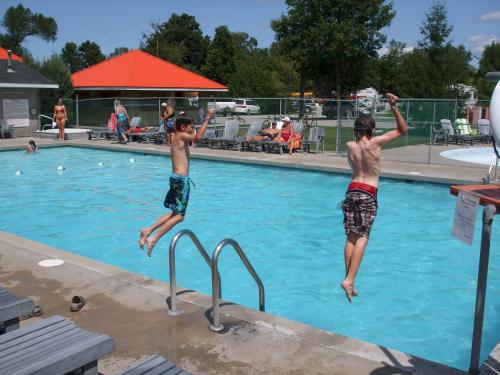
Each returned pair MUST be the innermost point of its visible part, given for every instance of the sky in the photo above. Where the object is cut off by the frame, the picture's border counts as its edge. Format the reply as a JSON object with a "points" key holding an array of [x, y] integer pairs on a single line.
{"points": [[121, 23]]}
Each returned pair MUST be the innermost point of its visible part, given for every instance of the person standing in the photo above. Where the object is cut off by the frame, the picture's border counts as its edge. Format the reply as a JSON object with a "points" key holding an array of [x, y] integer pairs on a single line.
{"points": [[168, 117], [122, 120], [360, 204], [60, 117]]}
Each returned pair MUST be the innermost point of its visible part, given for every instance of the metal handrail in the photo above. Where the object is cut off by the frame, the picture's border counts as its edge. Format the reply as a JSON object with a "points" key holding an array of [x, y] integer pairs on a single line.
{"points": [[216, 325], [494, 160], [44, 116], [171, 257]]}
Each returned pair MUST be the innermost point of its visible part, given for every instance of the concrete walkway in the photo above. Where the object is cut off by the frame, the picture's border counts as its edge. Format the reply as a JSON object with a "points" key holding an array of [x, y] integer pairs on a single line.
{"points": [[132, 309]]}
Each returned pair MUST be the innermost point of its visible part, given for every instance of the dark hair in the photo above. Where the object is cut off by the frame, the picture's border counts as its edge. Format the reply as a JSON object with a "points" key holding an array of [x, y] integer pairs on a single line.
{"points": [[179, 121], [32, 144], [364, 126]]}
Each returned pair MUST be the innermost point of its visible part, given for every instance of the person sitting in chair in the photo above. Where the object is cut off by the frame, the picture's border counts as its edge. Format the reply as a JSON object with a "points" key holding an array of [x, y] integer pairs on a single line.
{"points": [[267, 134]]}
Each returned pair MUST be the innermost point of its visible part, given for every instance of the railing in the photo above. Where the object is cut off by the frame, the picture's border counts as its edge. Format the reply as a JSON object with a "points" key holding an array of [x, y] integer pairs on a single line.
{"points": [[494, 161], [44, 116], [216, 283], [173, 293]]}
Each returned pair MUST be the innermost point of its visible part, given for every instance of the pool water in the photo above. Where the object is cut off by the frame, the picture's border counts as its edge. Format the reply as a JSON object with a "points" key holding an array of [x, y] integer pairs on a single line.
{"points": [[416, 285]]}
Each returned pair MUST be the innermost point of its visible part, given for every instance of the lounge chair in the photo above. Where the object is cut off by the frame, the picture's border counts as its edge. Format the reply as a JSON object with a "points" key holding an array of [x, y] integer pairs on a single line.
{"points": [[205, 140], [246, 142], [52, 346], [11, 308], [156, 365], [229, 136], [464, 129], [282, 146], [453, 136], [316, 137], [484, 128], [6, 129], [439, 133]]}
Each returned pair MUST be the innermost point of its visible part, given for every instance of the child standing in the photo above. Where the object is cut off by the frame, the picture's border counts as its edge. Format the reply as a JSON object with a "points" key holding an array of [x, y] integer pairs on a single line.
{"points": [[360, 204], [178, 196]]}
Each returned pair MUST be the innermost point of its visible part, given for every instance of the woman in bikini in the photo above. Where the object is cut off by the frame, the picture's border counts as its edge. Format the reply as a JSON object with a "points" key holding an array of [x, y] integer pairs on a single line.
{"points": [[60, 117]]}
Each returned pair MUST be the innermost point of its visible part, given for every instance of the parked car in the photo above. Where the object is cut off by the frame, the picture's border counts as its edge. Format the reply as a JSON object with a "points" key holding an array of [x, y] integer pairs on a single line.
{"points": [[309, 105], [347, 109], [247, 106], [223, 106]]}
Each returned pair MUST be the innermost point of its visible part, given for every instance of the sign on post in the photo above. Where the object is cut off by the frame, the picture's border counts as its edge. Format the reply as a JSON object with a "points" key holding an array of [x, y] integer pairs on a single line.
{"points": [[465, 217]]}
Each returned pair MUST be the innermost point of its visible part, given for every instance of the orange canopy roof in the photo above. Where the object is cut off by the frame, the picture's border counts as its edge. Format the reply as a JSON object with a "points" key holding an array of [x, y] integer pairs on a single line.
{"points": [[138, 70], [4, 55]]}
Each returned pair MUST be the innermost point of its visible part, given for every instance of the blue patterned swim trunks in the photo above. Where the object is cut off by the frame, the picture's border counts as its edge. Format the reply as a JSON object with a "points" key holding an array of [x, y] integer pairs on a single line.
{"points": [[177, 197]]}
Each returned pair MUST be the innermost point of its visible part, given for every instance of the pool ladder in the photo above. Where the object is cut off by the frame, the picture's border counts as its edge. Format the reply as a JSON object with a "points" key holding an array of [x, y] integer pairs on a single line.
{"points": [[216, 280]]}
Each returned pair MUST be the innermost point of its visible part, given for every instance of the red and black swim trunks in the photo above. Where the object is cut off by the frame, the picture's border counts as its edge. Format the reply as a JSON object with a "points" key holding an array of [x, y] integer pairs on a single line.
{"points": [[360, 208]]}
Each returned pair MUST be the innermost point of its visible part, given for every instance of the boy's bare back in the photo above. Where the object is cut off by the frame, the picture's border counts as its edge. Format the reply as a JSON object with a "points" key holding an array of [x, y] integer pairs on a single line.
{"points": [[364, 154]]}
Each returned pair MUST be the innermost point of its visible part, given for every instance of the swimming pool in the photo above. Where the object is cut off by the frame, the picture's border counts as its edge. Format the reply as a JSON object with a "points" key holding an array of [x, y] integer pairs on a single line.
{"points": [[417, 284]]}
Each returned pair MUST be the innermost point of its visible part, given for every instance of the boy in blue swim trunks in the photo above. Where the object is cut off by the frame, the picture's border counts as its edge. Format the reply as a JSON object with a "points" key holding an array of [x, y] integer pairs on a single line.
{"points": [[360, 204], [178, 195]]}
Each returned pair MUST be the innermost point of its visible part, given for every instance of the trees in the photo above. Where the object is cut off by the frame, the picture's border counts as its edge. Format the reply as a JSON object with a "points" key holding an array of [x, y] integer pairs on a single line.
{"points": [[444, 65], [118, 51], [83, 56], [20, 23], [490, 62], [179, 40], [220, 64], [332, 41], [71, 57]]}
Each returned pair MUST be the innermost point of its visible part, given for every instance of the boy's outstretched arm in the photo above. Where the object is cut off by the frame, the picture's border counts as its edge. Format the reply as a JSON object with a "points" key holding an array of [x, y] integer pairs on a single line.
{"points": [[208, 116], [402, 127]]}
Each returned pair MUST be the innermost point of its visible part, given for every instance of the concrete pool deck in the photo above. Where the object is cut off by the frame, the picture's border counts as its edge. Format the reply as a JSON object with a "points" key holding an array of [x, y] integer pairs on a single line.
{"points": [[131, 308]]}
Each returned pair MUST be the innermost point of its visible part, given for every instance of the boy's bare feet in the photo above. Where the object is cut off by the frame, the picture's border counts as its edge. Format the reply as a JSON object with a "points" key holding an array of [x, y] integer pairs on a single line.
{"points": [[150, 242], [348, 289], [143, 234]]}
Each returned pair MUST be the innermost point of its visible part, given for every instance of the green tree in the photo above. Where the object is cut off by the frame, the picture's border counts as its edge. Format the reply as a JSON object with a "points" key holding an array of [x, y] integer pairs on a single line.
{"points": [[332, 41], [179, 40], [20, 23], [490, 62], [220, 64], [71, 57], [445, 65], [55, 69], [90, 54], [118, 51]]}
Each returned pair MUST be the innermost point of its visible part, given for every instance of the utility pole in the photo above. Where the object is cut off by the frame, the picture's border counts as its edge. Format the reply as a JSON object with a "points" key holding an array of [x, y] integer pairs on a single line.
{"points": [[157, 48]]}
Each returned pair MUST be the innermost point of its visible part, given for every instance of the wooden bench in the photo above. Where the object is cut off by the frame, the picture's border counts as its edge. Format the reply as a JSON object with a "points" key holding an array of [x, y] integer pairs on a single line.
{"points": [[156, 365], [52, 346], [11, 308]]}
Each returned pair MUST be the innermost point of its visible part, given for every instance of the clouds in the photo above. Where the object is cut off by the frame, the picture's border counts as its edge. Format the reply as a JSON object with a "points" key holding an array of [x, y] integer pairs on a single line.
{"points": [[493, 16], [480, 41]]}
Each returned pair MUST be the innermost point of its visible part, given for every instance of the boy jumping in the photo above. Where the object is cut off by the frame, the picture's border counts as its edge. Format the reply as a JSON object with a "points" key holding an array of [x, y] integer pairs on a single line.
{"points": [[360, 204], [178, 196]]}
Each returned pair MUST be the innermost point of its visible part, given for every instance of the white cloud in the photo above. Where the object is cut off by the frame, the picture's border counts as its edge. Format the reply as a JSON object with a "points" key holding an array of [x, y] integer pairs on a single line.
{"points": [[480, 41], [493, 16], [384, 50]]}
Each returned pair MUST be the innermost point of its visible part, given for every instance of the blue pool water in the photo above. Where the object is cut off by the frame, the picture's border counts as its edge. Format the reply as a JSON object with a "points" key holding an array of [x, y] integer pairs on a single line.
{"points": [[417, 284]]}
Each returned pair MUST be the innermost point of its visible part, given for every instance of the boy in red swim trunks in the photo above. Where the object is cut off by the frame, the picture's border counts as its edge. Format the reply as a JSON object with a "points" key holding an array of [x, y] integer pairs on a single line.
{"points": [[178, 195], [360, 204]]}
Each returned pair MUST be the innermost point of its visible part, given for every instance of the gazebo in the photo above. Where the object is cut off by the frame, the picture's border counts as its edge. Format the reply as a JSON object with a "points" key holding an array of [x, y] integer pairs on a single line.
{"points": [[138, 75]]}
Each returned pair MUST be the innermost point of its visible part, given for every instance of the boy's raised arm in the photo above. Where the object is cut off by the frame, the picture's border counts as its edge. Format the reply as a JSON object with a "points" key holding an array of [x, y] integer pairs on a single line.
{"points": [[402, 127], [204, 125]]}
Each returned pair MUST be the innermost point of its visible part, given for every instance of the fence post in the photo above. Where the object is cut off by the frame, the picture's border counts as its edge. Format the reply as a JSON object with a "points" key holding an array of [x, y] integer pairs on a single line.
{"points": [[77, 113], [339, 123], [407, 116], [430, 131], [456, 108]]}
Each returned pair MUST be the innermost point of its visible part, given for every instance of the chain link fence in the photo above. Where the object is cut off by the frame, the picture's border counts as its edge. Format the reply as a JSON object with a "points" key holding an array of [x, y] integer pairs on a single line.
{"points": [[424, 142]]}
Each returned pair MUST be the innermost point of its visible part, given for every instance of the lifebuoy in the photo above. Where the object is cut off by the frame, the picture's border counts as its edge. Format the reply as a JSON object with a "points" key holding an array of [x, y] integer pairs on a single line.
{"points": [[495, 113]]}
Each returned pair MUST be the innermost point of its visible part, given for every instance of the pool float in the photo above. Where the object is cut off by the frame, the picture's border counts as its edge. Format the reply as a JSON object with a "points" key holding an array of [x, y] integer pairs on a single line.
{"points": [[495, 110]]}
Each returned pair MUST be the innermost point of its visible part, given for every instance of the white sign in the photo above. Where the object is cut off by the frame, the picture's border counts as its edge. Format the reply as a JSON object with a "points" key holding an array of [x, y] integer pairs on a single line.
{"points": [[16, 112], [465, 217]]}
